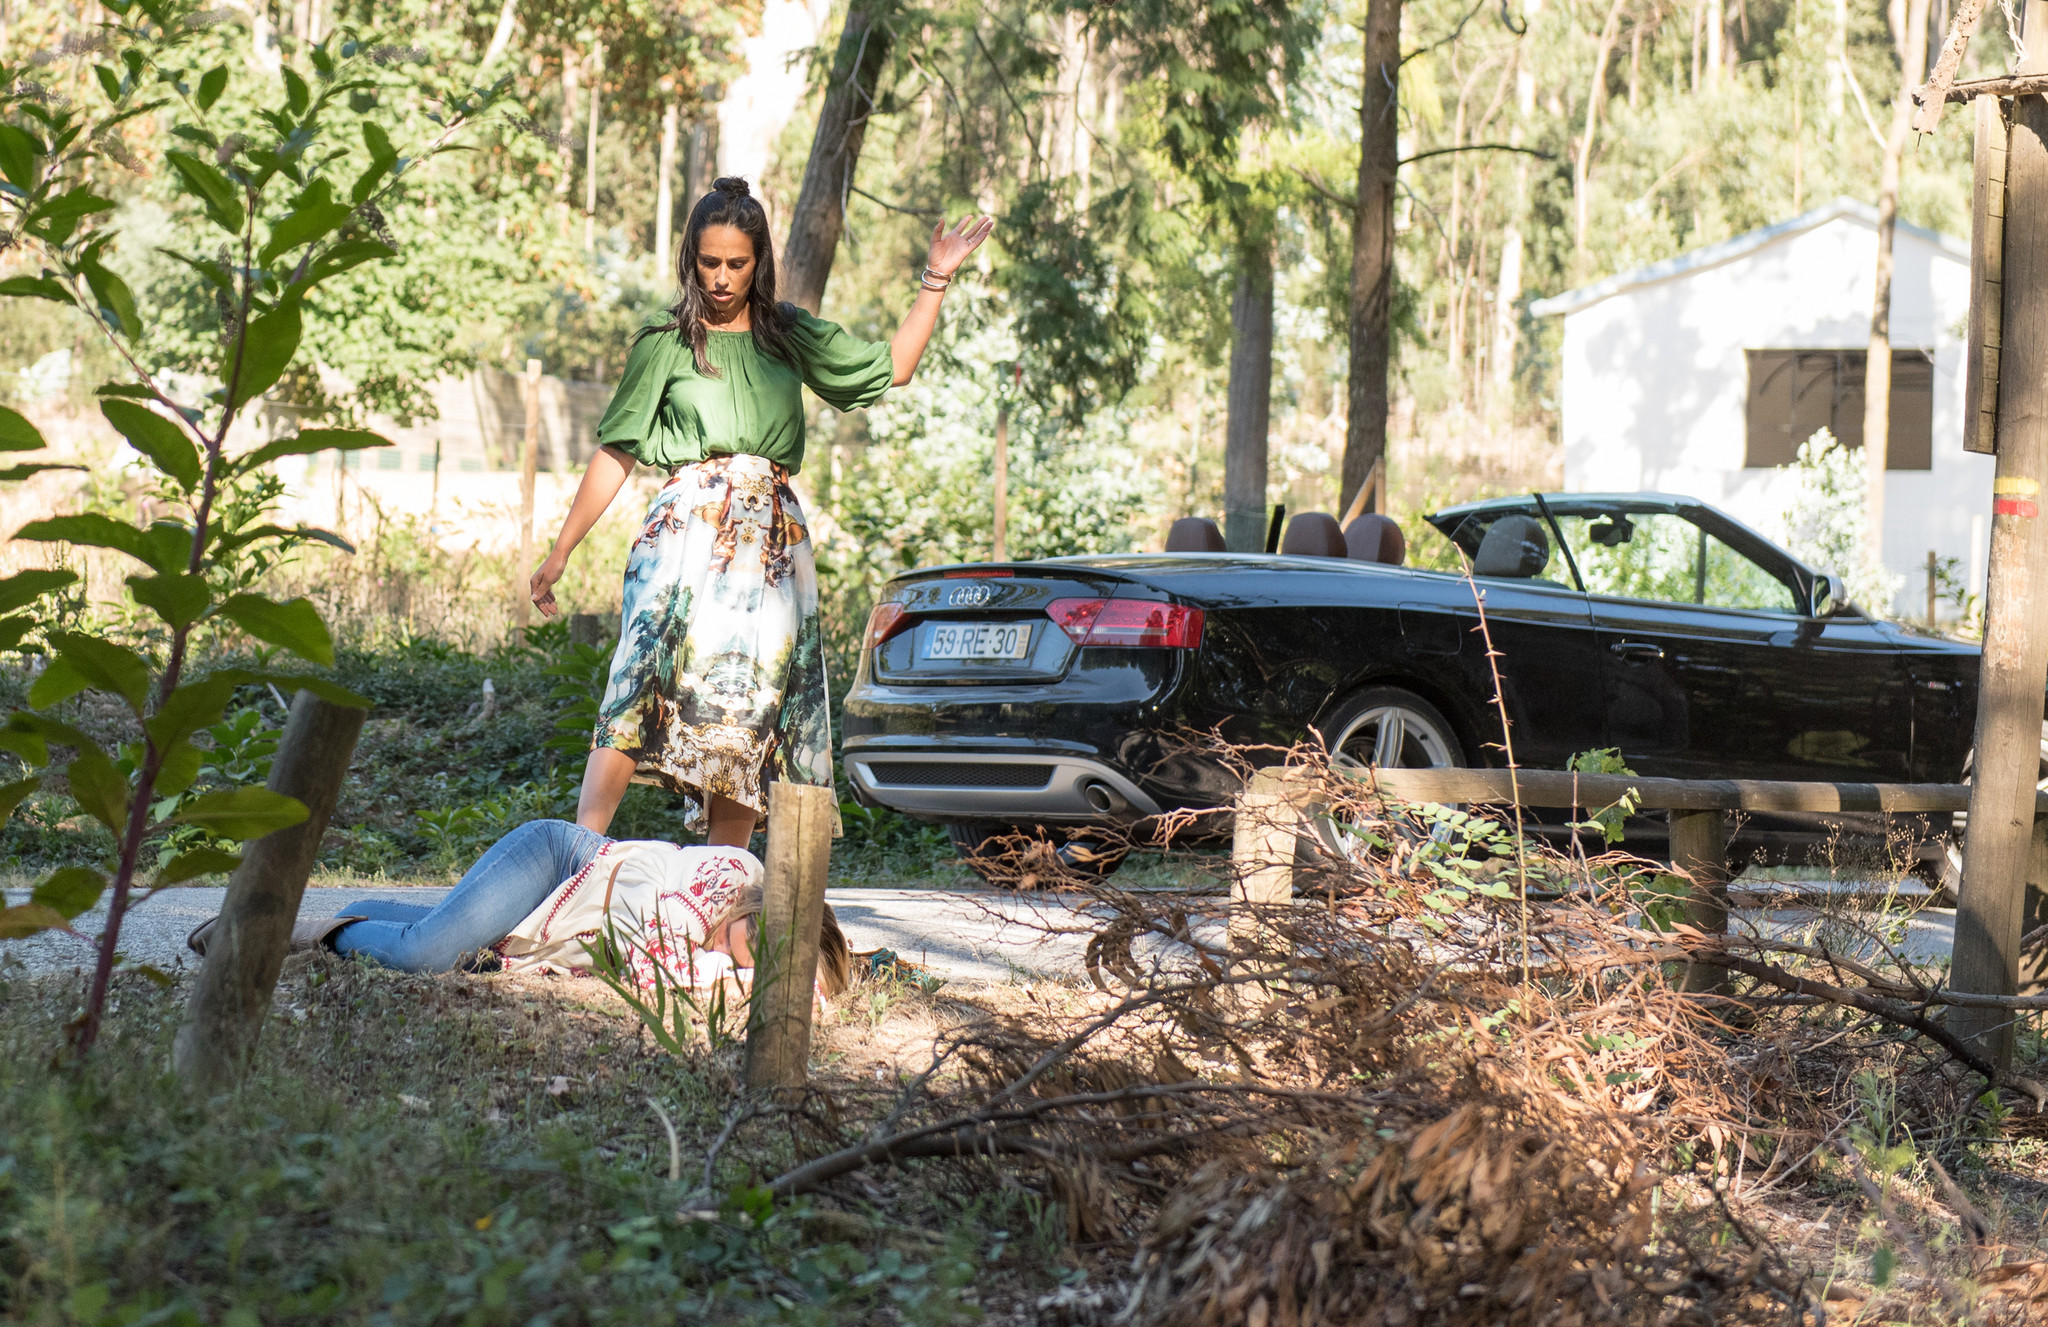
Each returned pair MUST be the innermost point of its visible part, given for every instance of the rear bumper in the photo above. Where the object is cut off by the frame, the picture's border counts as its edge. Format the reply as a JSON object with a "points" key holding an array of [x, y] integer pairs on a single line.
{"points": [[952, 784]]}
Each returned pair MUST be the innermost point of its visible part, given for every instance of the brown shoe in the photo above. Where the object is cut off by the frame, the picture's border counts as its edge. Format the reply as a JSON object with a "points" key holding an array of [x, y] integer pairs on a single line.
{"points": [[201, 936], [308, 936]]}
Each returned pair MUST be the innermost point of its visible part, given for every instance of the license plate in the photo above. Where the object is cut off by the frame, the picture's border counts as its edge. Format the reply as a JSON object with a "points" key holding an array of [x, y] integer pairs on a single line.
{"points": [[978, 640]]}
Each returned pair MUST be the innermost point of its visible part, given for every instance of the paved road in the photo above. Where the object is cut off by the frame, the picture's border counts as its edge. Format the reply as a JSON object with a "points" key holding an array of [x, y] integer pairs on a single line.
{"points": [[973, 936], [965, 936]]}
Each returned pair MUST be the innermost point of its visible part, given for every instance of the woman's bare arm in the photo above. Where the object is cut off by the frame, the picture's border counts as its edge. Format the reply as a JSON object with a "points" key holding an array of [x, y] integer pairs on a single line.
{"points": [[602, 480], [950, 248]]}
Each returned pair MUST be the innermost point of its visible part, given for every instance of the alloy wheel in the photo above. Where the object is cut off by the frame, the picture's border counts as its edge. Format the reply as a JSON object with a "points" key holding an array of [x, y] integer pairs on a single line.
{"points": [[1394, 736]]}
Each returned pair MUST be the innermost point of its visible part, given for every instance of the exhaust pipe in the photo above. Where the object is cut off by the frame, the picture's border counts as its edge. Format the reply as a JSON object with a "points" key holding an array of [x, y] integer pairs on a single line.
{"points": [[1104, 798]]}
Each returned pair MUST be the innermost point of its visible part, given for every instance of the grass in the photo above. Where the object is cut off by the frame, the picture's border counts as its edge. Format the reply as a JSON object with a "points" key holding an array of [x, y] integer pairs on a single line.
{"points": [[425, 1150]]}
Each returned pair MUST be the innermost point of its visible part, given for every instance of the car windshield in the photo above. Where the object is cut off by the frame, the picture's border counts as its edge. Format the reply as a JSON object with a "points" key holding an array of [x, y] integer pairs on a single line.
{"points": [[1622, 550], [1662, 556]]}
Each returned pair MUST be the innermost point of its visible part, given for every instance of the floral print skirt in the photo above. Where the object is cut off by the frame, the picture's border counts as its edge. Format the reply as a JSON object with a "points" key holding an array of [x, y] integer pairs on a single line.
{"points": [[718, 683]]}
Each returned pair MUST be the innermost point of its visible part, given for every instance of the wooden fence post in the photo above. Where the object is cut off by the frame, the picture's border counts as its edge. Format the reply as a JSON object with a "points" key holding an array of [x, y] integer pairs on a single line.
{"points": [[529, 471], [1262, 847], [1699, 849], [800, 820], [2015, 656], [231, 997], [585, 629]]}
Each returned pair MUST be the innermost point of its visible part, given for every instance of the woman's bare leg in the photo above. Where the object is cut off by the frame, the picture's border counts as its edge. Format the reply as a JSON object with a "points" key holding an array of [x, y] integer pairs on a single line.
{"points": [[732, 823], [605, 776]]}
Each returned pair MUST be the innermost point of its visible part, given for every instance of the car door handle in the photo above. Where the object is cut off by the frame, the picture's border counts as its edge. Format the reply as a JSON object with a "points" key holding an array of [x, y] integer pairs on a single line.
{"points": [[1638, 651]]}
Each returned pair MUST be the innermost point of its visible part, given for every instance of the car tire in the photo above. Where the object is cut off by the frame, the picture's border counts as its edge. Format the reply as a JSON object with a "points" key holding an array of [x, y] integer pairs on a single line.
{"points": [[1357, 732], [992, 851]]}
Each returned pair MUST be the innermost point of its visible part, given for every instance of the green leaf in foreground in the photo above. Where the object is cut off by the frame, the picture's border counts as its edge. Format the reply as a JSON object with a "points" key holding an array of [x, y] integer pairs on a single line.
{"points": [[162, 440], [11, 794], [306, 442], [91, 529], [294, 624], [242, 813], [194, 864], [215, 190], [106, 666], [28, 919], [18, 153], [36, 287], [25, 587], [267, 350], [179, 598], [98, 788], [17, 434], [70, 891], [211, 84], [191, 707]]}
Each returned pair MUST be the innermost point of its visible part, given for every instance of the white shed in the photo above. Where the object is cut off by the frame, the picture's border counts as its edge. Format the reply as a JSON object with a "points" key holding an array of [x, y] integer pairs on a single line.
{"points": [[1701, 376]]}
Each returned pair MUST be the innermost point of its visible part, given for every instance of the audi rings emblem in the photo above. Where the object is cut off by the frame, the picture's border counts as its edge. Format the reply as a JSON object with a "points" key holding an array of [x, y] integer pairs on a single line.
{"points": [[968, 596]]}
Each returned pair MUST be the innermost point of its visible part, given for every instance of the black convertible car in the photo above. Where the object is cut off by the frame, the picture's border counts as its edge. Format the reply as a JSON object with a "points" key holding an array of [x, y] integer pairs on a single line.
{"points": [[1060, 694]]}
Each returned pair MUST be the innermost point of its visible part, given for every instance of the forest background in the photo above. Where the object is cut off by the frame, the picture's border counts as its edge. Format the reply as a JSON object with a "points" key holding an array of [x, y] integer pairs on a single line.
{"points": [[1175, 186]]}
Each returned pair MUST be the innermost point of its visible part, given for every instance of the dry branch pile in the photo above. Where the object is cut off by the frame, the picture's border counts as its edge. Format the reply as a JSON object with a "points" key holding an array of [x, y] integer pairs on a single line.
{"points": [[1454, 1080]]}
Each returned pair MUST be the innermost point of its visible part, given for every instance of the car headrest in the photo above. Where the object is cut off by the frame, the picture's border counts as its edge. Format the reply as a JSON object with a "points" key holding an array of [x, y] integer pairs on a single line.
{"points": [[1313, 534], [1375, 538], [1194, 534], [1516, 546]]}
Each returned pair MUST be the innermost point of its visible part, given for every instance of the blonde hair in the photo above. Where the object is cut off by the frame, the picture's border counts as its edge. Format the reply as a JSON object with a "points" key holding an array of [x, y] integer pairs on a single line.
{"points": [[835, 955]]}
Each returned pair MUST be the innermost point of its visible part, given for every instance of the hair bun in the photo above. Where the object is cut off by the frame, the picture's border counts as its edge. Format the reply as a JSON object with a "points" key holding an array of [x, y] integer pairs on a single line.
{"points": [[732, 186]]}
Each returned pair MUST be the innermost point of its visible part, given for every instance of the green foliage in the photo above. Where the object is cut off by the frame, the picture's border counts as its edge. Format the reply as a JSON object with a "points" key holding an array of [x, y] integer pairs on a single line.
{"points": [[267, 191], [669, 1007], [1607, 820], [410, 1170], [1826, 526]]}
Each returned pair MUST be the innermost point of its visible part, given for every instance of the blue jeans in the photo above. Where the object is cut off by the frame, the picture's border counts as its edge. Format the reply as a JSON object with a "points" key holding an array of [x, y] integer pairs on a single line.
{"points": [[506, 884]]}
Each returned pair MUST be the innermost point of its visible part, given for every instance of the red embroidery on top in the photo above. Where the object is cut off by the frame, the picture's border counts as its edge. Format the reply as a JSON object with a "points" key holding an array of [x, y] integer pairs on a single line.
{"points": [[568, 891]]}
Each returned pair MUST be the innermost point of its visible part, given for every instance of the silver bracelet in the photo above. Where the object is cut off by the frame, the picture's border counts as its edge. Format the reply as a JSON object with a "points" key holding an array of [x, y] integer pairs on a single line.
{"points": [[930, 276]]}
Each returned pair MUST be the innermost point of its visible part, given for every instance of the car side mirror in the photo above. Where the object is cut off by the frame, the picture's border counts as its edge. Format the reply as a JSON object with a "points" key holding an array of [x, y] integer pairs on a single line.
{"points": [[1829, 596]]}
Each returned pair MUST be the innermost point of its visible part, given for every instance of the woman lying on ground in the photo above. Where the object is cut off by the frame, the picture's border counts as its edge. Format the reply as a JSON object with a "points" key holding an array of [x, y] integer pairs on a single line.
{"points": [[548, 891]]}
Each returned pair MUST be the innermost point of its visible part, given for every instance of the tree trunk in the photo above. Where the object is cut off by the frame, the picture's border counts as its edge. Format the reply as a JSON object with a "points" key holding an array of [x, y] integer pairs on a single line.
{"points": [[1997, 850], [1717, 33], [1509, 292], [500, 38], [590, 151], [820, 214], [665, 186], [231, 997], [565, 147], [1372, 248], [1251, 391], [700, 162], [1877, 367], [1595, 95], [529, 470], [1838, 59]]}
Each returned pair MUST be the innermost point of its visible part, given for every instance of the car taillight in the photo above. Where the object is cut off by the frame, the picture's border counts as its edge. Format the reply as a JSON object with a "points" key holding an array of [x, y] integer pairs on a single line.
{"points": [[1138, 622], [885, 621]]}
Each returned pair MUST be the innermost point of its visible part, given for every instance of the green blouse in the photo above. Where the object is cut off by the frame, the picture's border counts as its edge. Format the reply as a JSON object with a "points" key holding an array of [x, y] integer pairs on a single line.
{"points": [[666, 414]]}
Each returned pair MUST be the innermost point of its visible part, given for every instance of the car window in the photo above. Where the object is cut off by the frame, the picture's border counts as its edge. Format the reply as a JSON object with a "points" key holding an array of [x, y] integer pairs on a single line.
{"points": [[1663, 556]]}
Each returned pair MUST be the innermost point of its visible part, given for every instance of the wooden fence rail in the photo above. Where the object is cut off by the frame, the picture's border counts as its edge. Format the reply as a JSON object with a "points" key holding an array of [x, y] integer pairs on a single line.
{"points": [[1278, 802]]}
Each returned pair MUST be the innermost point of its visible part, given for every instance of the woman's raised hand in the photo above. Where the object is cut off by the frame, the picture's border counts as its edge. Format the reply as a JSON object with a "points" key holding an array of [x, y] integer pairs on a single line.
{"points": [[951, 247]]}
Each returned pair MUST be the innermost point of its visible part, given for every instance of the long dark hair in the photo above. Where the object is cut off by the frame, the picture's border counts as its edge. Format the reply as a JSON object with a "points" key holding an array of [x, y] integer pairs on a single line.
{"points": [[729, 204]]}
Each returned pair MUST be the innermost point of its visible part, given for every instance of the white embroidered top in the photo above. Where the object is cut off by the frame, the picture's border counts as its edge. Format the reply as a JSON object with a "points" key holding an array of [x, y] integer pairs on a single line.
{"points": [[660, 900]]}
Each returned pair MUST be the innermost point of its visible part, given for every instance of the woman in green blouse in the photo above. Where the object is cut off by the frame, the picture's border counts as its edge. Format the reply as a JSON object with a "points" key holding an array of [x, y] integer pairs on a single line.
{"points": [[718, 683]]}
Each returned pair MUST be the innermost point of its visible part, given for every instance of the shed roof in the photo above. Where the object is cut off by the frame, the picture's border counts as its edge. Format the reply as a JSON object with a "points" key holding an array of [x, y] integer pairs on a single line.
{"points": [[1713, 255]]}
